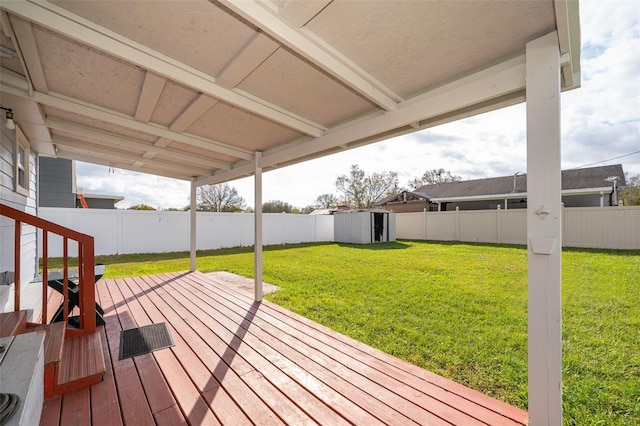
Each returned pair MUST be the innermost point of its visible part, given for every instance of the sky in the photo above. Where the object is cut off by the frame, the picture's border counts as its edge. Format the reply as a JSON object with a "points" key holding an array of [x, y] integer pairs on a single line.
{"points": [[600, 126]]}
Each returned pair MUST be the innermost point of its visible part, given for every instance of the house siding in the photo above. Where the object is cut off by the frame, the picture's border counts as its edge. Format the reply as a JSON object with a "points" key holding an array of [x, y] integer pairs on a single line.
{"points": [[56, 183], [26, 203], [100, 203]]}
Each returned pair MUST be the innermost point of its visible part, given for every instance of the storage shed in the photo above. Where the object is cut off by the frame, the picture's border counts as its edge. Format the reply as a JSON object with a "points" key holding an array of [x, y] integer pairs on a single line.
{"points": [[365, 226]]}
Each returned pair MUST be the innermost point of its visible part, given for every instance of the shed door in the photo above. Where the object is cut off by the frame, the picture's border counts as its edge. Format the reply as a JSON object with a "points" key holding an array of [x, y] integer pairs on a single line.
{"points": [[380, 229]]}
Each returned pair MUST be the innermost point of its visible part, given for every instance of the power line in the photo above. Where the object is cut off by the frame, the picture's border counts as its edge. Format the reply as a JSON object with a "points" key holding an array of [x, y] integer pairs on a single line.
{"points": [[604, 161]]}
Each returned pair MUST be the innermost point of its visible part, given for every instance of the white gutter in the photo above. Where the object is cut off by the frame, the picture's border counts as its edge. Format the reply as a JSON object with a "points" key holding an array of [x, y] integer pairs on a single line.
{"points": [[512, 195]]}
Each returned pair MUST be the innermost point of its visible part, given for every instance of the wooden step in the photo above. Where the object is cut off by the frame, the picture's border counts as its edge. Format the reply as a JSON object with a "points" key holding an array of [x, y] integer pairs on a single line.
{"points": [[53, 342], [53, 346], [82, 364], [12, 323], [72, 363]]}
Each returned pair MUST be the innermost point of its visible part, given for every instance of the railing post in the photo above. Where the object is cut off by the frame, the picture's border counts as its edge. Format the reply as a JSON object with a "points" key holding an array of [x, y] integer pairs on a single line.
{"points": [[86, 272], [45, 274], [88, 301], [65, 280], [16, 265]]}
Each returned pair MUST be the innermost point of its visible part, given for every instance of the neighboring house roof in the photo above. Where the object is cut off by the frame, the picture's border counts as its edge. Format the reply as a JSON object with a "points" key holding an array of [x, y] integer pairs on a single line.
{"points": [[115, 198], [332, 210], [573, 181], [404, 197]]}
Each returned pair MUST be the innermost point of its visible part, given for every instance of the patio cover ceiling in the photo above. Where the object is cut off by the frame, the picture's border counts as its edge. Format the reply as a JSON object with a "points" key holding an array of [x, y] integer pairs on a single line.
{"points": [[193, 89]]}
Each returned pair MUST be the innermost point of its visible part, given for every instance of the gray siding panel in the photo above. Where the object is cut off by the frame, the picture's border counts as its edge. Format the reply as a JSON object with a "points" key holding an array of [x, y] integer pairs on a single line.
{"points": [[56, 183], [28, 254], [52, 199]]}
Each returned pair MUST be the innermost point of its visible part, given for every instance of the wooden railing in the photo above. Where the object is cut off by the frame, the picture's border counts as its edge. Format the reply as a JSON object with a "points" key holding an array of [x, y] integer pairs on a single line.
{"points": [[86, 282]]}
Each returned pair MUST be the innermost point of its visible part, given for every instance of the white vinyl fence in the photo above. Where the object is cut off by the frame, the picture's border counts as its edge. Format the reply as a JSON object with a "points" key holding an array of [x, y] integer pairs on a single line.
{"points": [[135, 231], [595, 227]]}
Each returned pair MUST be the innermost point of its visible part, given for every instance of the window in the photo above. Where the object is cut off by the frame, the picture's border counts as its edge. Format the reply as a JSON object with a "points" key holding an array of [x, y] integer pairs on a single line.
{"points": [[21, 163]]}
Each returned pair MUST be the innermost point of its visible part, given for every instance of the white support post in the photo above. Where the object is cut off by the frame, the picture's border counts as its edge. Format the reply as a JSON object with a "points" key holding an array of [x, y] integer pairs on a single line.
{"points": [[258, 229], [499, 224], [544, 230], [192, 227], [424, 224], [457, 223]]}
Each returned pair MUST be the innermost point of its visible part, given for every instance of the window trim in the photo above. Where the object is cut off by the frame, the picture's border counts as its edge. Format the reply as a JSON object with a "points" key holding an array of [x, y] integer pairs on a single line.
{"points": [[21, 143]]}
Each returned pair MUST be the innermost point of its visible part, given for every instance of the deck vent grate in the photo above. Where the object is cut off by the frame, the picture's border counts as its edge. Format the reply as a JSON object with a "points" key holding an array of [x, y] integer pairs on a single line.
{"points": [[143, 340]]}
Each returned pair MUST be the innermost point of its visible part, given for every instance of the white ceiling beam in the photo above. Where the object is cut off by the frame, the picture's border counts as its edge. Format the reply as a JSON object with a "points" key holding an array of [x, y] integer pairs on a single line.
{"points": [[5, 25], [567, 18], [129, 143], [296, 40], [352, 65], [99, 113], [481, 92], [149, 96], [254, 53], [301, 12], [91, 149], [194, 111], [245, 169], [28, 48], [261, 46], [72, 155], [86, 32], [477, 89]]}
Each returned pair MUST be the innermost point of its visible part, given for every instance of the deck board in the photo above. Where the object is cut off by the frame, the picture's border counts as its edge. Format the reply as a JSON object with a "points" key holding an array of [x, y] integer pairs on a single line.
{"points": [[237, 362]]}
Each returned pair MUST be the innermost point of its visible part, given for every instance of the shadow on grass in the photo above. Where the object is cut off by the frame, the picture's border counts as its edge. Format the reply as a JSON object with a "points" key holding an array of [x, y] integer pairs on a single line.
{"points": [[376, 246], [398, 245], [178, 255], [610, 252]]}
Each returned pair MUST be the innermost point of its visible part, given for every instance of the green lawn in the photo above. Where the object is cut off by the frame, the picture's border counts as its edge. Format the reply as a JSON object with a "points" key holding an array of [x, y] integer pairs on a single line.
{"points": [[459, 310]]}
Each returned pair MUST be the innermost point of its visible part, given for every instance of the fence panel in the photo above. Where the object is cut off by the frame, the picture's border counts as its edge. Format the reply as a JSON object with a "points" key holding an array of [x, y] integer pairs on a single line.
{"points": [[134, 231], [221, 230], [153, 232], [101, 224], [129, 231], [596, 227], [615, 227], [478, 226], [513, 226], [411, 227], [441, 226]]}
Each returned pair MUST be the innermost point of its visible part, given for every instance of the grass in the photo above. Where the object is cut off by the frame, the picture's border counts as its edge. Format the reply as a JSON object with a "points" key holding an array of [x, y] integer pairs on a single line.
{"points": [[459, 310]]}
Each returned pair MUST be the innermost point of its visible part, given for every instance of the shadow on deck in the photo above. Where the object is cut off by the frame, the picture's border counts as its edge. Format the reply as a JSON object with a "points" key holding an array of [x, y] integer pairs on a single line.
{"points": [[239, 362]]}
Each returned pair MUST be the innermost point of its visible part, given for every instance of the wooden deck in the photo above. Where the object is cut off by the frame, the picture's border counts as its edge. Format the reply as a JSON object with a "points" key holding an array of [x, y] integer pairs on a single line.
{"points": [[236, 362]]}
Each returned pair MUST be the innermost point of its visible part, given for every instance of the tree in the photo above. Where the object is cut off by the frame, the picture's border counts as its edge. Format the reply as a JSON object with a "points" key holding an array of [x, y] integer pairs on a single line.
{"points": [[219, 198], [432, 177], [630, 195], [362, 191], [141, 207], [326, 201], [277, 206]]}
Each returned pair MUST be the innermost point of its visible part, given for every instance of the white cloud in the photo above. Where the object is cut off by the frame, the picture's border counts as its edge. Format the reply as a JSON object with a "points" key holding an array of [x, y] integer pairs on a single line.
{"points": [[601, 120]]}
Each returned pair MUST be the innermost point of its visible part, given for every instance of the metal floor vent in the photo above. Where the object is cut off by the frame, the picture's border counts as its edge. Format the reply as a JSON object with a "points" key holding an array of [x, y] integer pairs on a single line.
{"points": [[143, 340]]}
